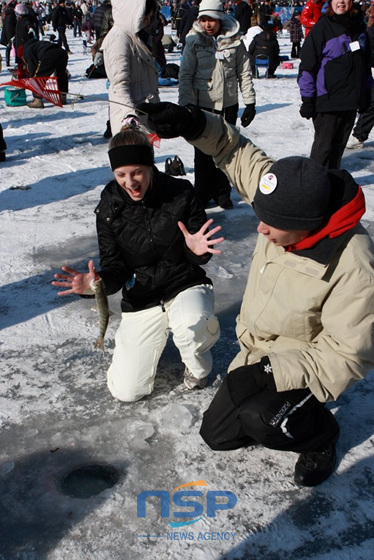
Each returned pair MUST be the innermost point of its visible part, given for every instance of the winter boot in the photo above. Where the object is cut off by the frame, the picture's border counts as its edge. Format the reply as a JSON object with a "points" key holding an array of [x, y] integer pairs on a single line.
{"points": [[37, 103], [313, 467], [191, 382], [63, 99]]}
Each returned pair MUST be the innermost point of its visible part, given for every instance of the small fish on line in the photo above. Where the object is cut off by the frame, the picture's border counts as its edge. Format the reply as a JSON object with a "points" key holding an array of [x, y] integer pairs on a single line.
{"points": [[103, 309]]}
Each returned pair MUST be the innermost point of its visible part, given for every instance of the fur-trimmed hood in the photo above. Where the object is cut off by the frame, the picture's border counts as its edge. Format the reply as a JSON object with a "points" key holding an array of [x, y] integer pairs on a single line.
{"points": [[230, 28]]}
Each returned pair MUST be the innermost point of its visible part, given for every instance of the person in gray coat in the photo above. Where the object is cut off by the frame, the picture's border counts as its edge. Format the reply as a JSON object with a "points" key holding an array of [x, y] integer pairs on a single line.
{"points": [[214, 64]]}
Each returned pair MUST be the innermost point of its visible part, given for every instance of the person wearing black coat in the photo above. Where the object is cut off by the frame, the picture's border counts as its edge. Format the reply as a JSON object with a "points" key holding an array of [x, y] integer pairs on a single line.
{"points": [[180, 10], [43, 58], [26, 28], [243, 13], [3, 145], [266, 9], [265, 43], [8, 31], [365, 122], [69, 9], [60, 20], [77, 21], [98, 17], [189, 16], [153, 236], [296, 34], [335, 79]]}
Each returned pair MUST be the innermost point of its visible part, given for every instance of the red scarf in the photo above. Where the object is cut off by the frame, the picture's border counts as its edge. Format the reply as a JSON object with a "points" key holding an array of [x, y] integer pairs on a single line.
{"points": [[347, 217]]}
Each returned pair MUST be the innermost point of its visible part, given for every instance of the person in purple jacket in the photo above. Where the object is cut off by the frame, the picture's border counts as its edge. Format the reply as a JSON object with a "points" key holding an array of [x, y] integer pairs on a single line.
{"points": [[335, 79]]}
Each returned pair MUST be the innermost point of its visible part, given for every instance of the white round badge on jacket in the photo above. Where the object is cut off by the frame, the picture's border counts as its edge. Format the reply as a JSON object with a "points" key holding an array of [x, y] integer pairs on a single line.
{"points": [[268, 183]]}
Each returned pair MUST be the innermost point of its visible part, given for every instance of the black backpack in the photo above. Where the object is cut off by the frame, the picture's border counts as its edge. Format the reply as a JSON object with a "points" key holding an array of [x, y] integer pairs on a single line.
{"points": [[171, 71], [174, 167]]}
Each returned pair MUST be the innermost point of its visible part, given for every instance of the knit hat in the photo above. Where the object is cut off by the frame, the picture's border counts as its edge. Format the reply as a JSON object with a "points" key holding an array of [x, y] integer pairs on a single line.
{"points": [[267, 23], [21, 10], [294, 195], [211, 8]]}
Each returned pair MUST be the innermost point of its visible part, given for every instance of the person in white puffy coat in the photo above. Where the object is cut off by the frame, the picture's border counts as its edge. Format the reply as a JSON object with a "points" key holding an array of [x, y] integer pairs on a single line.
{"points": [[129, 64]]}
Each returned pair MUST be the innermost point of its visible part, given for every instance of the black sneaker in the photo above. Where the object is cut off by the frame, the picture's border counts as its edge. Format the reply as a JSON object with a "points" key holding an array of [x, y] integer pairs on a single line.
{"points": [[313, 467]]}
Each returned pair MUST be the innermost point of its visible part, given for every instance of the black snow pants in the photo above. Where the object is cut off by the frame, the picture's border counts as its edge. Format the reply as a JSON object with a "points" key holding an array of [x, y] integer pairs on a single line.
{"points": [[211, 182], [331, 133], [365, 122], [288, 421]]}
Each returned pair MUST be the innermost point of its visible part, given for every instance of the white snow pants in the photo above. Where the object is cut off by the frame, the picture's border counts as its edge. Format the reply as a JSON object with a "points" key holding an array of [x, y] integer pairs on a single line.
{"points": [[142, 335]]}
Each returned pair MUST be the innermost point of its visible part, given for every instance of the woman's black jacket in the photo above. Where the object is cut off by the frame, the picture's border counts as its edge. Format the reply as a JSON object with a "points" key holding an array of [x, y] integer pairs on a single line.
{"points": [[142, 249], [9, 26]]}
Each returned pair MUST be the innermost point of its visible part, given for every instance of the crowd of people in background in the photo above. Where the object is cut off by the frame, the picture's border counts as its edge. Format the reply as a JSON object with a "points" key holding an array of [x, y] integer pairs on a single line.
{"points": [[257, 25]]}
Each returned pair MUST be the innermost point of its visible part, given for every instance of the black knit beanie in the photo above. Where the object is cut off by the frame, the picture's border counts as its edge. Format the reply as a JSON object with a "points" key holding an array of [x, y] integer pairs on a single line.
{"points": [[294, 195]]}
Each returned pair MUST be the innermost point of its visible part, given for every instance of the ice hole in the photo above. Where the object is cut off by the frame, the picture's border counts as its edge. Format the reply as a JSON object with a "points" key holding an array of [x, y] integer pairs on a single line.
{"points": [[88, 480]]}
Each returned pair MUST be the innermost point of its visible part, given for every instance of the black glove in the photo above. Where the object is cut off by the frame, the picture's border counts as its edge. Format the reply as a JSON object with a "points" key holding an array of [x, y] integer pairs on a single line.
{"points": [[246, 381], [248, 115], [169, 120], [308, 108]]}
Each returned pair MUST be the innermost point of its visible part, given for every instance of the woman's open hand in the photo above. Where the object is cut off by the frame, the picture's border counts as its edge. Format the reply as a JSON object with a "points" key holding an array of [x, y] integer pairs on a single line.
{"points": [[76, 282], [201, 242]]}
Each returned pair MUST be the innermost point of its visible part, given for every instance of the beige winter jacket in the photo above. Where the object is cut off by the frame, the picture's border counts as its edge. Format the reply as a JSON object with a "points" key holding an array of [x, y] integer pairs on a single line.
{"points": [[128, 63], [211, 69], [314, 321]]}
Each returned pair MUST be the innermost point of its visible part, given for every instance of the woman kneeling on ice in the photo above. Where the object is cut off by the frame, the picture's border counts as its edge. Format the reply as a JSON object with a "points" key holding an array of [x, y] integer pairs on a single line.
{"points": [[153, 235]]}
